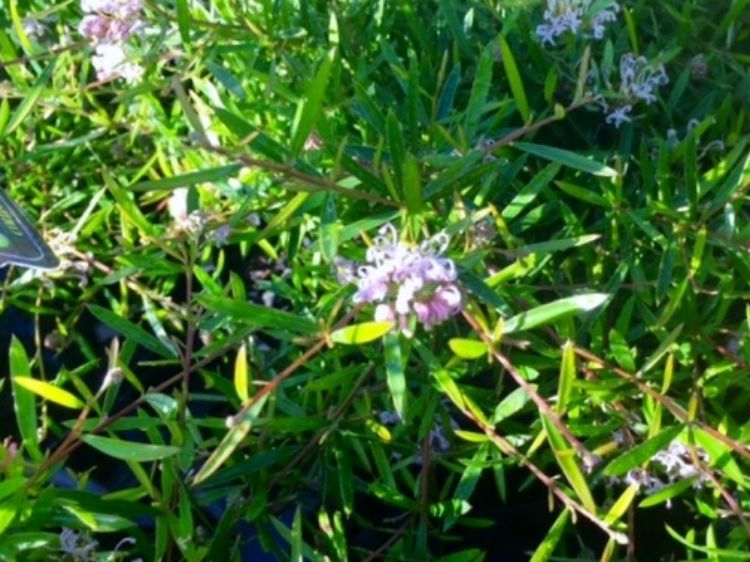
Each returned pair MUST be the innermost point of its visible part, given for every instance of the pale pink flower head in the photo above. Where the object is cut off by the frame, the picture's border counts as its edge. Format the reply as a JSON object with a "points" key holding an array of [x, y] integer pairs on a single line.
{"points": [[110, 21], [409, 281], [109, 24]]}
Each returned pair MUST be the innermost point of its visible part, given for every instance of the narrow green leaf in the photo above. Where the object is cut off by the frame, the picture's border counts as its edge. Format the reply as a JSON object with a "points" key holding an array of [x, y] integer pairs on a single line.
{"points": [[128, 207], [621, 351], [514, 402], [296, 539], [470, 476], [516, 270], [547, 547], [29, 100], [556, 245], [621, 505], [464, 168], [718, 554], [664, 347], [9, 509], [479, 90], [329, 229], [11, 486], [242, 374], [449, 9], [394, 372], [183, 21], [583, 194], [514, 79], [129, 450], [260, 142], [4, 116], [448, 94], [257, 315], [450, 388], [551, 312], [467, 348], [396, 146], [691, 170], [23, 400], [667, 493], [567, 376], [188, 110], [227, 79], [233, 439], [697, 257], [357, 334], [530, 191], [721, 456], [18, 27], [185, 180], [50, 392], [567, 158], [450, 509], [642, 452], [310, 109], [282, 217], [131, 331], [412, 185], [468, 555], [566, 460]]}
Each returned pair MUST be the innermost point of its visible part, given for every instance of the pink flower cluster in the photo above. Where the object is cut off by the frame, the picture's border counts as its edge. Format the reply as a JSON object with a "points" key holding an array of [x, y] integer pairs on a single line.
{"points": [[109, 24], [405, 281]]}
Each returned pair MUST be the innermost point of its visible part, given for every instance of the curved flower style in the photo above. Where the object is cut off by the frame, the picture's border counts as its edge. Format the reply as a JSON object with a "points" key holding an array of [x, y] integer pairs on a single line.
{"points": [[639, 81], [409, 281]]}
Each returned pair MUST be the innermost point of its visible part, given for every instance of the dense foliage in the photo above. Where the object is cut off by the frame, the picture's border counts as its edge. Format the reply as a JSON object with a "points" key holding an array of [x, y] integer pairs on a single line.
{"points": [[432, 280]]}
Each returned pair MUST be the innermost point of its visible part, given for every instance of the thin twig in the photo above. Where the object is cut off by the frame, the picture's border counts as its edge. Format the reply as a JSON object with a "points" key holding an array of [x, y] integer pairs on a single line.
{"points": [[677, 411], [589, 459], [491, 146], [374, 555], [508, 449], [314, 183]]}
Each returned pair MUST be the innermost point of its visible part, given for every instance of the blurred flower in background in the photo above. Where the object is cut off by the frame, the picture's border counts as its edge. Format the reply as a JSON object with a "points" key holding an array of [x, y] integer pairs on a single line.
{"points": [[109, 24], [587, 18]]}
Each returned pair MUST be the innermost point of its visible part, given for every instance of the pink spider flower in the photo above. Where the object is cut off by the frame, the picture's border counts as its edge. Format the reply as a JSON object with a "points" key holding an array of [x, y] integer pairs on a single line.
{"points": [[409, 281]]}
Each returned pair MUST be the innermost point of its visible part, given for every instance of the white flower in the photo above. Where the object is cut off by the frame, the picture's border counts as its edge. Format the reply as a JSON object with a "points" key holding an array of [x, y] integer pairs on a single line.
{"points": [[177, 204], [33, 28], [619, 116], [77, 546], [640, 79], [579, 17], [672, 465], [110, 62]]}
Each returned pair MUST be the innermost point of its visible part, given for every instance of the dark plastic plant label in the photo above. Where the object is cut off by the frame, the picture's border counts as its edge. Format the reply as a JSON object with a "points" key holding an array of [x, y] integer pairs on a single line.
{"points": [[20, 243]]}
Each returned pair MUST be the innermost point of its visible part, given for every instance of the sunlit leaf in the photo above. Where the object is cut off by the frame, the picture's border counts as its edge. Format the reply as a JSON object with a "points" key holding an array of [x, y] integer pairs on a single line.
{"points": [[467, 348], [50, 392], [242, 374], [357, 334], [129, 450], [554, 311]]}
